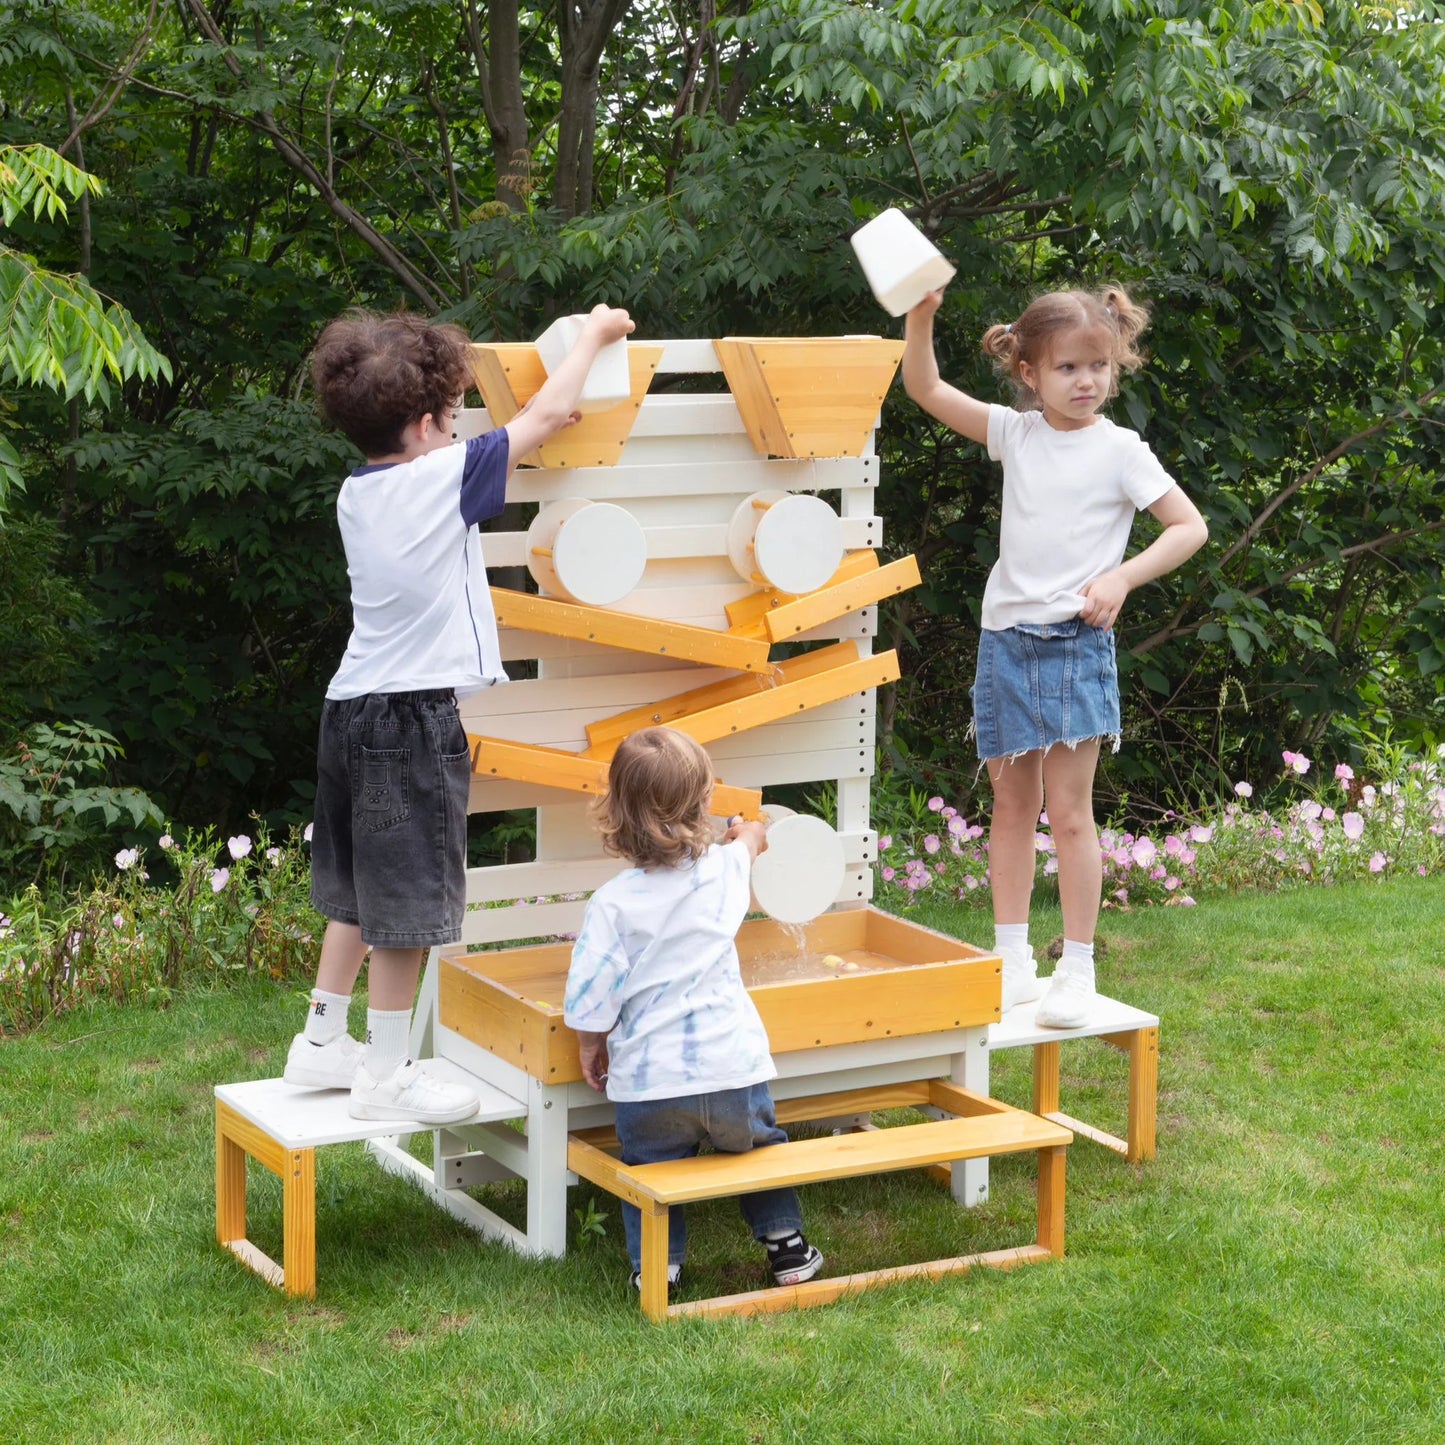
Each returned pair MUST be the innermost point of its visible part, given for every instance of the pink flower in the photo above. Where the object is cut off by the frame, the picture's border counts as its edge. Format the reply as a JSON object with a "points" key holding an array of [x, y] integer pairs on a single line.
{"points": [[127, 858], [273, 855], [1145, 852], [219, 878], [1185, 901], [935, 805], [119, 920], [1200, 834], [239, 846], [1296, 762], [885, 842], [1051, 866], [1377, 863], [1343, 772], [1243, 790], [1171, 883], [1122, 894], [167, 842], [888, 875], [1174, 845], [1353, 824], [306, 832], [930, 843], [1328, 815], [1310, 810], [1158, 872], [957, 825]]}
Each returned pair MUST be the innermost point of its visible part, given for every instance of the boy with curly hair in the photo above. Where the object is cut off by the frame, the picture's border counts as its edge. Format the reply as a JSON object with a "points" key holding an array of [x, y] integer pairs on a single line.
{"points": [[388, 852]]}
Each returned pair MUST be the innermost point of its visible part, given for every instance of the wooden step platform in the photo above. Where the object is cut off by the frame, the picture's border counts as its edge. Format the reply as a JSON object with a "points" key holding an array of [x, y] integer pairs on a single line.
{"points": [[981, 1127], [282, 1127], [1129, 1029]]}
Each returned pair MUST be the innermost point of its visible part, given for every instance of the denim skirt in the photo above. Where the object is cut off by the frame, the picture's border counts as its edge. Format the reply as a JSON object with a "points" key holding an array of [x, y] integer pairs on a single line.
{"points": [[1042, 683]]}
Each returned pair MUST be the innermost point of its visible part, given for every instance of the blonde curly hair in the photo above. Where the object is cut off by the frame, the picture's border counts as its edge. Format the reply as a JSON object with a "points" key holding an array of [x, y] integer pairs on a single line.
{"points": [[1030, 339], [655, 809]]}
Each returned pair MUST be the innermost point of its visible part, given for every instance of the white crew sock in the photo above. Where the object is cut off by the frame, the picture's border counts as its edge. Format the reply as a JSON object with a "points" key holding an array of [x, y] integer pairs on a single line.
{"points": [[388, 1040], [326, 1016], [1077, 961], [1013, 937]]}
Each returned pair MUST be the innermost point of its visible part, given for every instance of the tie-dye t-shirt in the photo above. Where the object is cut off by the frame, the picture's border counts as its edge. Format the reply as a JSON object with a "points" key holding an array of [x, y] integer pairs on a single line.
{"points": [[656, 968]]}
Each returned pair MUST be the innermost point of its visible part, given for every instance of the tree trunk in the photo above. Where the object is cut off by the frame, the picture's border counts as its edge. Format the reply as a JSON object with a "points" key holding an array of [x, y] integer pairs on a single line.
{"points": [[584, 28], [498, 57]]}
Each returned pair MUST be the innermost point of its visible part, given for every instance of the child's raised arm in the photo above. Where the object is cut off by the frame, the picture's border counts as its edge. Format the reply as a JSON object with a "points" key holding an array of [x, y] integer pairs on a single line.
{"points": [[965, 414], [552, 408]]}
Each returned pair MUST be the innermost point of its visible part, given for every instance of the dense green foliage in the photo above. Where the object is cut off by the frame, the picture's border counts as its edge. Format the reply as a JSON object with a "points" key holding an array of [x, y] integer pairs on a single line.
{"points": [[1269, 175]]}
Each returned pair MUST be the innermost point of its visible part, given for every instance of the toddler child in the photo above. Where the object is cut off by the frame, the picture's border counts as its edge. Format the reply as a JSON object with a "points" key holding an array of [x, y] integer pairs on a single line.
{"points": [[388, 851], [654, 992], [1046, 689]]}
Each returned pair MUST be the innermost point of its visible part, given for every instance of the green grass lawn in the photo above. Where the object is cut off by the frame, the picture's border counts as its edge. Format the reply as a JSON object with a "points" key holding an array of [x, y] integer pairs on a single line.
{"points": [[1275, 1274]]}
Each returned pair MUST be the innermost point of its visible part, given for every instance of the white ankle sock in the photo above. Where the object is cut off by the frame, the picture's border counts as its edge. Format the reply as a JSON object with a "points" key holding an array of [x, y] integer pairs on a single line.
{"points": [[1077, 960], [388, 1040], [1011, 936], [326, 1016]]}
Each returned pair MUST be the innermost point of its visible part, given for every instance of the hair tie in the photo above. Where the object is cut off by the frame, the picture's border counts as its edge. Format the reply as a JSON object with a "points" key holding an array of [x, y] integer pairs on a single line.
{"points": [[1008, 329]]}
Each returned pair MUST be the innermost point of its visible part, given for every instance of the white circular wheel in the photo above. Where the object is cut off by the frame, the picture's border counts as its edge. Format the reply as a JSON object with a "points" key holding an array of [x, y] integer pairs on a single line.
{"points": [[801, 874], [599, 551]]}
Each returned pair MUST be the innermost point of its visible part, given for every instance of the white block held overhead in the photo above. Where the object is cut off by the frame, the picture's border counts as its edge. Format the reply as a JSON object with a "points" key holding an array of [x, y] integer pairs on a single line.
{"points": [[609, 382], [902, 265]]}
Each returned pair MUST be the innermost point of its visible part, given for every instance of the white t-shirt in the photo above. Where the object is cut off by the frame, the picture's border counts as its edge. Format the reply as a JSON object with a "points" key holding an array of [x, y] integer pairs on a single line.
{"points": [[656, 967], [1069, 499], [420, 605]]}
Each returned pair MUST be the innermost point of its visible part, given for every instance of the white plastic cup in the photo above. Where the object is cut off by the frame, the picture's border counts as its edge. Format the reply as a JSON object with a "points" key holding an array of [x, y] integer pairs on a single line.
{"points": [[609, 381], [902, 265]]}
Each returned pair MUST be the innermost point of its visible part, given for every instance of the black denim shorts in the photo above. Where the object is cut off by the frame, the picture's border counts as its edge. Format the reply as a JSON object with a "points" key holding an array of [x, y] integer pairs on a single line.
{"points": [[389, 841]]}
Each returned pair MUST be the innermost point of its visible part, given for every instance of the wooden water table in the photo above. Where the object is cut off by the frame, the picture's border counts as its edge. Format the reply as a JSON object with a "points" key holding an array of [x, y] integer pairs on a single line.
{"points": [[709, 560]]}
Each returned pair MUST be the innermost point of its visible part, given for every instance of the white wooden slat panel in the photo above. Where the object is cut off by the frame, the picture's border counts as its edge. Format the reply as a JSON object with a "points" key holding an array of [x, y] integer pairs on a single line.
{"points": [[704, 539], [549, 877], [818, 767], [562, 708], [568, 830], [544, 920]]}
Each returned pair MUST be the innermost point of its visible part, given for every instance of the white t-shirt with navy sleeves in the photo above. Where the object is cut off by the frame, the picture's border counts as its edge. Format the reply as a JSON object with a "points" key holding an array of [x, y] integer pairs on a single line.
{"points": [[1069, 499], [656, 967], [421, 609]]}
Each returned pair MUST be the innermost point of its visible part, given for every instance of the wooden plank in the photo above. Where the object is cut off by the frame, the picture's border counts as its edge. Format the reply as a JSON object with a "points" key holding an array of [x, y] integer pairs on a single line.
{"points": [[854, 1007], [817, 608], [809, 1161], [627, 631], [604, 735], [259, 1261], [1143, 1094], [570, 772], [1046, 1078], [826, 1291], [254, 1141], [1051, 1200], [587, 1159], [1096, 1136], [506, 1025], [298, 1229], [831, 684], [746, 615], [230, 1180]]}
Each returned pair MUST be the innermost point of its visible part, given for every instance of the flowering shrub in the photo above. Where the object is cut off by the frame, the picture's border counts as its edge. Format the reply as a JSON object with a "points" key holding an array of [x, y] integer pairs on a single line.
{"points": [[1343, 827], [128, 938]]}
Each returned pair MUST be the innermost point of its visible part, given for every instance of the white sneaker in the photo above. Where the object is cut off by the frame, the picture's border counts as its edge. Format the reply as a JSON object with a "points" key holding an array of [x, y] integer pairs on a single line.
{"points": [[323, 1066], [411, 1093], [1021, 981], [1069, 1001]]}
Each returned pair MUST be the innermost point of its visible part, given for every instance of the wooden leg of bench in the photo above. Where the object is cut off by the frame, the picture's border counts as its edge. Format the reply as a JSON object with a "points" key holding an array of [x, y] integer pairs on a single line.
{"points": [[654, 1261], [298, 1229], [230, 1185], [1046, 1079], [1051, 1196], [1143, 1093]]}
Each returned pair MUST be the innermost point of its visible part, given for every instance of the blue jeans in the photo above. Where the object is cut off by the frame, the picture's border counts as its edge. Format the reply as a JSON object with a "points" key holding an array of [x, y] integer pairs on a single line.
{"points": [[733, 1121]]}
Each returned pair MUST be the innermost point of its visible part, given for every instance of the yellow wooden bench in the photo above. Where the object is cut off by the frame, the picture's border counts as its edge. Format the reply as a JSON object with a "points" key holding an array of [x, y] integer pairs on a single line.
{"points": [[980, 1127]]}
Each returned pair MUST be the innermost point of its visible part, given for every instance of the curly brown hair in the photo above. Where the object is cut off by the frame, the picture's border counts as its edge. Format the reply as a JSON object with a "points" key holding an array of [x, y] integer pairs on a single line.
{"points": [[375, 375], [1030, 339], [655, 809]]}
